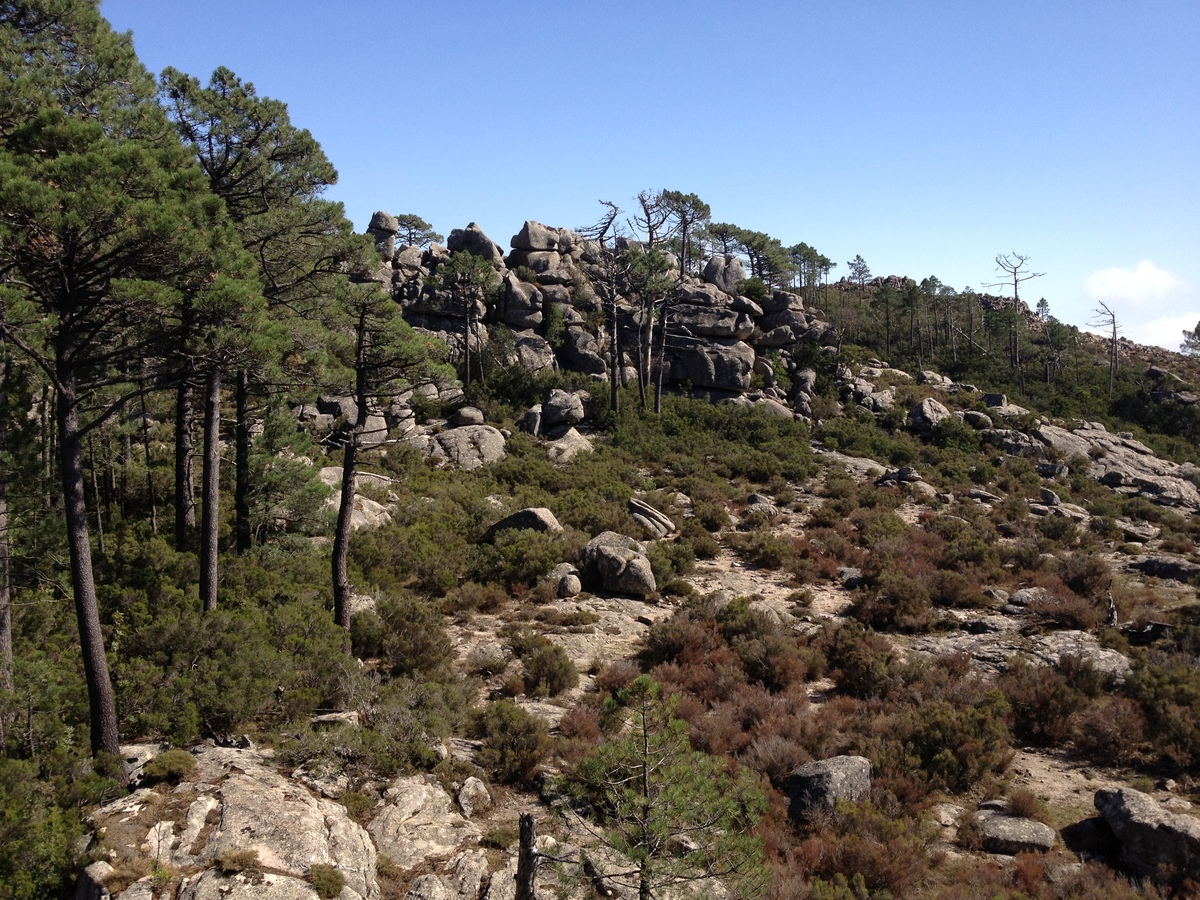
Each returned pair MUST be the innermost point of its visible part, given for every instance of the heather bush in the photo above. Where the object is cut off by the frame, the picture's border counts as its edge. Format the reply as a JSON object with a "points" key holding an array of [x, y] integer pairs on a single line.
{"points": [[1041, 700]]}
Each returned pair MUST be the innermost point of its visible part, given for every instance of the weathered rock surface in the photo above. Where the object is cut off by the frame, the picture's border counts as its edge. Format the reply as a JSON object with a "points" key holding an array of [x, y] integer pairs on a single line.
{"points": [[537, 518], [1150, 835], [418, 821], [236, 800], [817, 786], [925, 415], [471, 446], [620, 564], [1011, 835]]}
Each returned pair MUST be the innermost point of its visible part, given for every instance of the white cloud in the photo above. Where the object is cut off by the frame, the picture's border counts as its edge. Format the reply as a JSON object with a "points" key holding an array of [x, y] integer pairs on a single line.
{"points": [[1148, 302], [1144, 286], [1166, 331]]}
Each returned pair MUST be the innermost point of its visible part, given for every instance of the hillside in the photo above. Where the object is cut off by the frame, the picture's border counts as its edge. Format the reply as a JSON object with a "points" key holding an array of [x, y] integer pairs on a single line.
{"points": [[834, 561]]}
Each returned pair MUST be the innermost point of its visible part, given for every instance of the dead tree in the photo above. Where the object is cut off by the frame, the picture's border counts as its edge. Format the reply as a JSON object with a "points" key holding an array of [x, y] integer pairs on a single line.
{"points": [[1015, 273], [1107, 319]]}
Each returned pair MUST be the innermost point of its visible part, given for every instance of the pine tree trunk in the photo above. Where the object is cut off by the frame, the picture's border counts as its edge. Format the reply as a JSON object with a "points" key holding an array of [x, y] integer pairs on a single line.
{"points": [[341, 533], [241, 494], [149, 474], [662, 359], [210, 489], [185, 494], [101, 700], [96, 497], [6, 648]]}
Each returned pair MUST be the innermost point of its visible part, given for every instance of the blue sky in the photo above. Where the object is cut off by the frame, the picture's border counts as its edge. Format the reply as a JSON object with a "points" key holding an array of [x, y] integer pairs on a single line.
{"points": [[926, 136]]}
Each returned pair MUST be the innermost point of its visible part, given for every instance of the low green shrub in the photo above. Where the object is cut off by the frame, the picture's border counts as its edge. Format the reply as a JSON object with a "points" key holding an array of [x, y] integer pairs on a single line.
{"points": [[171, 766], [514, 742], [327, 881]]}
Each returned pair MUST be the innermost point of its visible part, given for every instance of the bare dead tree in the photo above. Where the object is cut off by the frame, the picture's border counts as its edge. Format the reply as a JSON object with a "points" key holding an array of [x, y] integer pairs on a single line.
{"points": [[1105, 318], [653, 219], [1015, 272]]}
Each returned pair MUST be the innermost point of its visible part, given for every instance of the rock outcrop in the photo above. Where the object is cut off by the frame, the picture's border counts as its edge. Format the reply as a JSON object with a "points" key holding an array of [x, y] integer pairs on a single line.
{"points": [[235, 800]]}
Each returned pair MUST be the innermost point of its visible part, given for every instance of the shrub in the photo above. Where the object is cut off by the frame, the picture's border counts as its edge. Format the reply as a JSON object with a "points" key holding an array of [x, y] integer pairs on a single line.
{"points": [[231, 861], [487, 661], [514, 742], [171, 766], [327, 881], [1041, 700], [1026, 804], [415, 639], [359, 806], [548, 670], [1086, 574]]}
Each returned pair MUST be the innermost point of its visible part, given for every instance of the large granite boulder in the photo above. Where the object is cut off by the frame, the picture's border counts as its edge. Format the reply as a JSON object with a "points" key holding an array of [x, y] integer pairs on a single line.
{"points": [[562, 408], [580, 350], [473, 240], [724, 273], [657, 524], [620, 564], [715, 322], [1150, 835], [533, 352], [469, 447], [567, 447], [535, 236], [1010, 835], [520, 304], [816, 787], [719, 364], [923, 417], [382, 230], [535, 518]]}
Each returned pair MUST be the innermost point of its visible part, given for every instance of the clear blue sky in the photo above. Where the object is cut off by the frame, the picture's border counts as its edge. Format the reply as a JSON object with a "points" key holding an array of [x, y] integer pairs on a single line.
{"points": [[926, 136]]}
